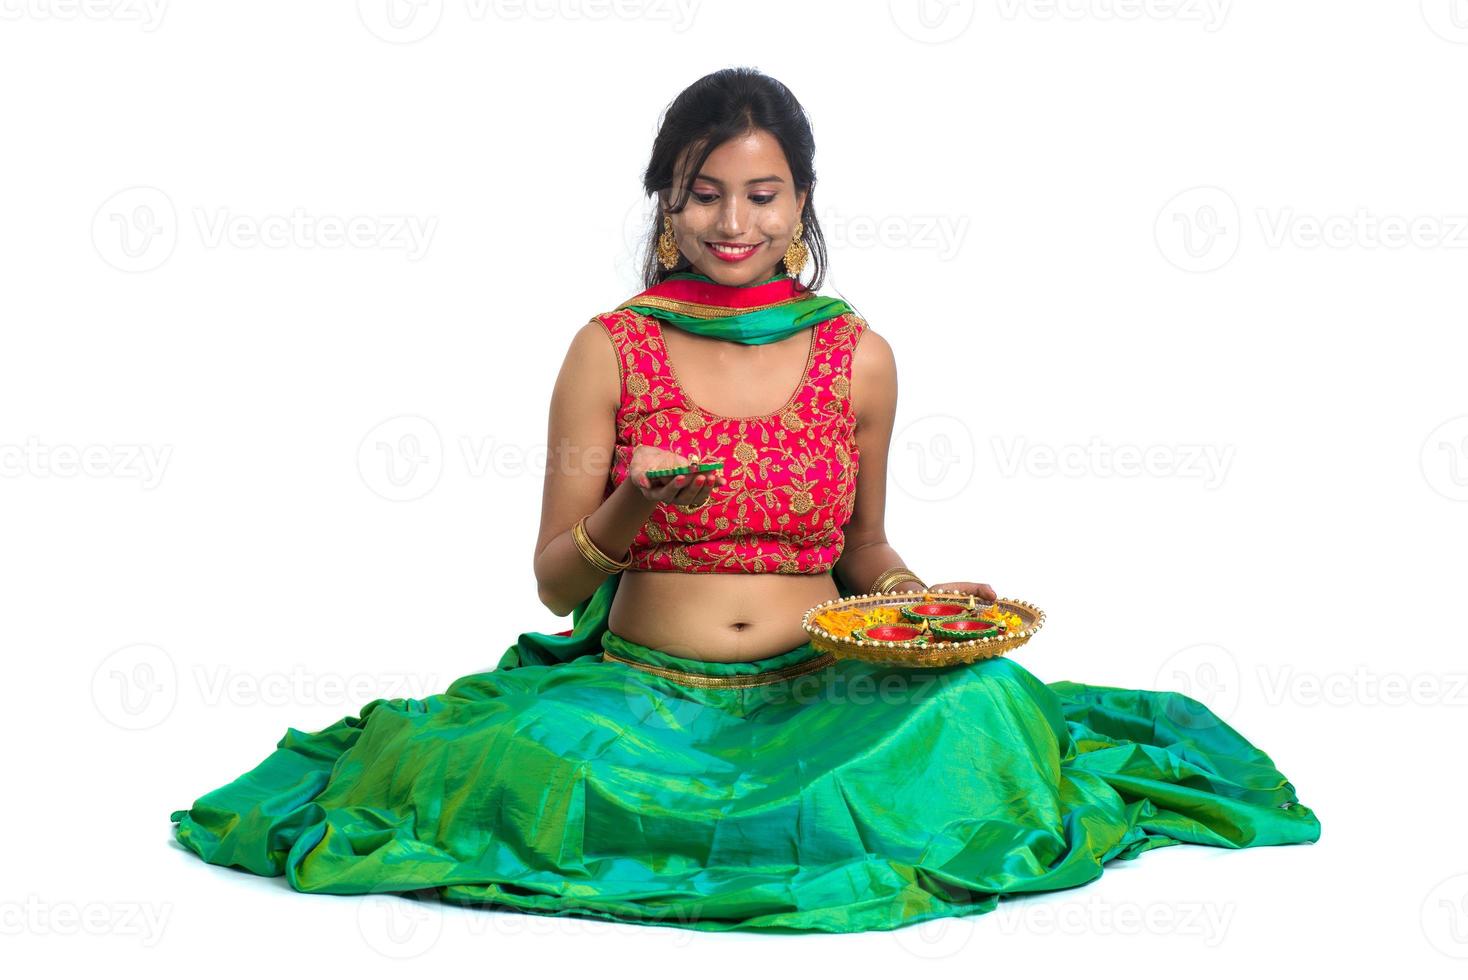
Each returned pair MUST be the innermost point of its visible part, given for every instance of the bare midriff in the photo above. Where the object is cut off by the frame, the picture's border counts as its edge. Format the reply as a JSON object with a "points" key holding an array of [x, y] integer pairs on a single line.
{"points": [[718, 617]]}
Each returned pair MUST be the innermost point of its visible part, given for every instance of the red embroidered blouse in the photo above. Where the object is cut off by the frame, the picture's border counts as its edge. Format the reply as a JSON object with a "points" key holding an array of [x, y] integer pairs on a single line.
{"points": [[792, 473]]}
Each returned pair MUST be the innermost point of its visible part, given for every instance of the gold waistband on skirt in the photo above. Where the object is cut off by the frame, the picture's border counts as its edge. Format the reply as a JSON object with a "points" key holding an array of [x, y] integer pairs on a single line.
{"points": [[692, 679]]}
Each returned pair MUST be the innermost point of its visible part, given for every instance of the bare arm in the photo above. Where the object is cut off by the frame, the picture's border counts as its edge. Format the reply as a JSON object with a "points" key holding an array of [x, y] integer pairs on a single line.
{"points": [[867, 553], [579, 446], [579, 451]]}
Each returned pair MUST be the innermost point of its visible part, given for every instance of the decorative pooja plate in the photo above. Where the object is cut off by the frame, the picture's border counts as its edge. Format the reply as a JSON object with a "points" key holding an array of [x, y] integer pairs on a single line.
{"points": [[920, 629]]}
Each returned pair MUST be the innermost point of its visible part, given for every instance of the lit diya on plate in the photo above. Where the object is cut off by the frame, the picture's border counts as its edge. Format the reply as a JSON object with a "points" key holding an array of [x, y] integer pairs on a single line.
{"points": [[919, 611], [926, 629], [891, 633], [964, 629]]}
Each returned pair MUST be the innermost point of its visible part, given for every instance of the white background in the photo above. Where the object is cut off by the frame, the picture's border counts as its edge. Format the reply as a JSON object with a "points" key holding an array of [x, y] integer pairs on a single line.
{"points": [[1225, 239]]}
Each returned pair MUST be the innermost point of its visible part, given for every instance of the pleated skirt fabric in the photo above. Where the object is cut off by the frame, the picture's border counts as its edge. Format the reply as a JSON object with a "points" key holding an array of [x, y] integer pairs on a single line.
{"points": [[588, 775]]}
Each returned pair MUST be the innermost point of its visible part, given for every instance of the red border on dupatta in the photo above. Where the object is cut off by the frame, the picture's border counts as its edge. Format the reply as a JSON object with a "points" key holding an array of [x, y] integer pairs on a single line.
{"points": [[718, 294]]}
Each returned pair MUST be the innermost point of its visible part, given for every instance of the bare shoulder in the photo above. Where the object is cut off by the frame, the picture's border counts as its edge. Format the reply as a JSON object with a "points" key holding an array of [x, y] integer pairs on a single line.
{"points": [[872, 350], [873, 376], [591, 368]]}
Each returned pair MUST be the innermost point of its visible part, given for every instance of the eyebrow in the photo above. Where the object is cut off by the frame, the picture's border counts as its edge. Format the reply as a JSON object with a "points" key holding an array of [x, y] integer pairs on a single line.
{"points": [[758, 180]]}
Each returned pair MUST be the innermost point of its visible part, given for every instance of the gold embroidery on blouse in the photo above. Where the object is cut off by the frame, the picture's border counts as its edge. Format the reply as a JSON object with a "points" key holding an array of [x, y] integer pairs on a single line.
{"points": [[789, 448]]}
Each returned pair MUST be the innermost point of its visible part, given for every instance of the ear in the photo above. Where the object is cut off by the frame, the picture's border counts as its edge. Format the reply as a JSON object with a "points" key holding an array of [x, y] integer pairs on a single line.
{"points": [[800, 201]]}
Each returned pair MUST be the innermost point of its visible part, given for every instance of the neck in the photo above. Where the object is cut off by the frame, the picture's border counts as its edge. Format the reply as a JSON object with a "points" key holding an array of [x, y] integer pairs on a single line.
{"points": [[768, 275]]}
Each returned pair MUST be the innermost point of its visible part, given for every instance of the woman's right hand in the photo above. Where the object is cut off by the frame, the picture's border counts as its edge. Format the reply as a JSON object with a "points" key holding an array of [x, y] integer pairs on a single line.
{"points": [[690, 490]]}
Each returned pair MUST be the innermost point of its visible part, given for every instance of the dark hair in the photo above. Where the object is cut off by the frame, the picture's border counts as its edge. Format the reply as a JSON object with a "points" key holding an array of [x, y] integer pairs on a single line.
{"points": [[719, 107]]}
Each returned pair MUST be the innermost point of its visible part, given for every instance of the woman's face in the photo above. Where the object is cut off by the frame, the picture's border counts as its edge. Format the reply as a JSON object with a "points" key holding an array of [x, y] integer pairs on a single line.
{"points": [[743, 196]]}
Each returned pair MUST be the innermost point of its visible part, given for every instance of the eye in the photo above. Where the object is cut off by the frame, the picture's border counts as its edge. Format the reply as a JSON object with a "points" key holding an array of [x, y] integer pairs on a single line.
{"points": [[760, 199]]}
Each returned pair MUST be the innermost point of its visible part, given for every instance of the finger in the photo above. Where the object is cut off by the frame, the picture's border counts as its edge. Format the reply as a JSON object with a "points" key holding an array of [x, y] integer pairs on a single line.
{"points": [[664, 489], [690, 490], [706, 489], [672, 491], [649, 482], [710, 480], [697, 488]]}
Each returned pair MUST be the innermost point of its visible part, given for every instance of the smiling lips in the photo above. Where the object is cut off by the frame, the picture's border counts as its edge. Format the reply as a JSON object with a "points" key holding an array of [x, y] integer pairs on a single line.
{"points": [[732, 251]]}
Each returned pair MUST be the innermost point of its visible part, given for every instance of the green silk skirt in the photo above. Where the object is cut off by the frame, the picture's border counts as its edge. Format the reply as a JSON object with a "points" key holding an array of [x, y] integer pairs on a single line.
{"points": [[588, 775]]}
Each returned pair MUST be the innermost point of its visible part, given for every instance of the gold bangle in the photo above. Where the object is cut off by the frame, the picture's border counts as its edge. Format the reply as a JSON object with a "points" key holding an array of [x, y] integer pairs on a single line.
{"points": [[597, 558], [886, 578], [893, 575], [881, 581]]}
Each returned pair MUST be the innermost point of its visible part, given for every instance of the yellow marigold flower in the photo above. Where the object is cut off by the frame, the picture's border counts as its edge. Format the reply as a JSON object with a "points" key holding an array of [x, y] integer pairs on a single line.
{"points": [[883, 614], [1011, 621], [839, 622]]}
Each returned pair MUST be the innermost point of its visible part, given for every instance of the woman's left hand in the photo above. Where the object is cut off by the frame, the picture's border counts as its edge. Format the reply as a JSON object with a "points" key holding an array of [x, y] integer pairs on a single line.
{"points": [[980, 589]]}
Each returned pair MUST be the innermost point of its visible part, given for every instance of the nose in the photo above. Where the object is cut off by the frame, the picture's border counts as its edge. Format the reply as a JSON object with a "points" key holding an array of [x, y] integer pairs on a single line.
{"points": [[733, 218]]}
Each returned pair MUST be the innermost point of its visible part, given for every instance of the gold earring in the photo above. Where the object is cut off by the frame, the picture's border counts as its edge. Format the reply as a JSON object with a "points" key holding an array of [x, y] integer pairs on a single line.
{"points": [[796, 253], [667, 246]]}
